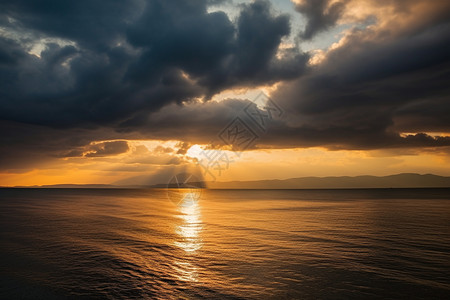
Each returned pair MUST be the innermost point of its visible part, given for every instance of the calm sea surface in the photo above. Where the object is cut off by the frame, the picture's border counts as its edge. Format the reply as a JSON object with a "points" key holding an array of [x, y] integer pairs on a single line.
{"points": [[235, 244]]}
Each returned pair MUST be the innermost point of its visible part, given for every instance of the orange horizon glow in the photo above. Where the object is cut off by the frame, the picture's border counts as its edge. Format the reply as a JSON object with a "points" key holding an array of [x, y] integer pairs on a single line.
{"points": [[151, 157]]}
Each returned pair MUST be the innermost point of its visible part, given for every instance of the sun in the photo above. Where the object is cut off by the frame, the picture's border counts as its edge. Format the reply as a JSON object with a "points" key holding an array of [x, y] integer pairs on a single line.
{"points": [[195, 151]]}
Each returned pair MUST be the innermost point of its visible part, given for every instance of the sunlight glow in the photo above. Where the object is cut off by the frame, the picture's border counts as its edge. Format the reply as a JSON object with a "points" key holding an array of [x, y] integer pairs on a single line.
{"points": [[191, 227], [190, 241], [195, 151]]}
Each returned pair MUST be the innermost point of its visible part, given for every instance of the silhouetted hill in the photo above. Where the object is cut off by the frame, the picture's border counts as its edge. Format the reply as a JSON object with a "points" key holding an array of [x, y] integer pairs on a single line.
{"points": [[71, 186], [406, 180]]}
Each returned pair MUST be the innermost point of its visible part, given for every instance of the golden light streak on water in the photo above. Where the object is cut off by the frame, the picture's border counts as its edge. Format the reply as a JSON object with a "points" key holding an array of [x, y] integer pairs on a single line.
{"points": [[189, 234]]}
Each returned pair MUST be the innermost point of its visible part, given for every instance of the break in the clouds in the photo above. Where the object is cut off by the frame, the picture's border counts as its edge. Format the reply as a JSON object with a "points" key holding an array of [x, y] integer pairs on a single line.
{"points": [[76, 74]]}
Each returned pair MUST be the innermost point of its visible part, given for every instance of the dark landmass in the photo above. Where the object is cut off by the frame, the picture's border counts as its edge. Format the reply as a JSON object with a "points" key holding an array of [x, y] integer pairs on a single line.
{"points": [[342, 182], [72, 186], [406, 180]]}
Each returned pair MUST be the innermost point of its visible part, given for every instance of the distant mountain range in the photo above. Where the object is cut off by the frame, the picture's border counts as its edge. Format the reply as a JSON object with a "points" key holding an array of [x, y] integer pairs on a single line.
{"points": [[73, 186], [406, 180]]}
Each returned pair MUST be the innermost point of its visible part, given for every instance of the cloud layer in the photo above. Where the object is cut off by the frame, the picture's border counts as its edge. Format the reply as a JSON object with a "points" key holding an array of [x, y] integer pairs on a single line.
{"points": [[109, 62], [76, 76]]}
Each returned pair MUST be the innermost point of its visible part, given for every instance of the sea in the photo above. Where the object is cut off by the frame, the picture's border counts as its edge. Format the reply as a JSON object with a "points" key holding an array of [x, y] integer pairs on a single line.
{"points": [[224, 244]]}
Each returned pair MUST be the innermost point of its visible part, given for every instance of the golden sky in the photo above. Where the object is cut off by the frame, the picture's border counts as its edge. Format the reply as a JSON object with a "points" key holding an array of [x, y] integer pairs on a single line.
{"points": [[319, 88], [150, 162]]}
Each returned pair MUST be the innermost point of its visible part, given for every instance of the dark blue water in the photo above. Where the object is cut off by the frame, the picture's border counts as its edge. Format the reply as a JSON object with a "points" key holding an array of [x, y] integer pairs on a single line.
{"points": [[236, 244]]}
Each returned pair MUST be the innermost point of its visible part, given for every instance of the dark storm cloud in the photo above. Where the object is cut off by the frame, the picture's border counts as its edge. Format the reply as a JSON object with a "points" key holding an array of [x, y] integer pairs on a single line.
{"points": [[320, 14], [24, 146], [109, 61], [373, 88], [214, 52], [206, 121], [93, 24], [107, 149], [382, 88]]}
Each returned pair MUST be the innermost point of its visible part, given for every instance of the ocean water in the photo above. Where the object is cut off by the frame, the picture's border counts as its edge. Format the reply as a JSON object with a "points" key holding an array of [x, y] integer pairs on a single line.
{"points": [[230, 244]]}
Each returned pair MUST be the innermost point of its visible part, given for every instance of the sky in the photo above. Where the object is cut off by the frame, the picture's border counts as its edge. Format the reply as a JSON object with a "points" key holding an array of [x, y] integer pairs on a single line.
{"points": [[134, 92]]}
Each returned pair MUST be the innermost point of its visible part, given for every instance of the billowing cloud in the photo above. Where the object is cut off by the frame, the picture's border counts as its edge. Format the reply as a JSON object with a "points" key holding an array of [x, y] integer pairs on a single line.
{"points": [[107, 149], [320, 14], [111, 62], [374, 85], [358, 128]]}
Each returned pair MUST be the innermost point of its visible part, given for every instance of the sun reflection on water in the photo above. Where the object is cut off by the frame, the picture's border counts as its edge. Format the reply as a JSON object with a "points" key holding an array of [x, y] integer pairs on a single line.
{"points": [[189, 236]]}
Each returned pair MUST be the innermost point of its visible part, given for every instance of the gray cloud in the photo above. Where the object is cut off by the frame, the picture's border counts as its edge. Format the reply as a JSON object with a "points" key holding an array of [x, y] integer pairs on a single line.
{"points": [[373, 88], [358, 127], [320, 14], [107, 149], [133, 70], [130, 58]]}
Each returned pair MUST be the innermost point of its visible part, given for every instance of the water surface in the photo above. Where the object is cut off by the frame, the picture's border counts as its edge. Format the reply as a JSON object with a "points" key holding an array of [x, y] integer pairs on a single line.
{"points": [[235, 244]]}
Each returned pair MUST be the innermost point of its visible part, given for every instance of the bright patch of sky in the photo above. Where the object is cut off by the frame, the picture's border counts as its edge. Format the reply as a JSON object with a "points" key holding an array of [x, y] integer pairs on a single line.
{"points": [[298, 22], [30, 40]]}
